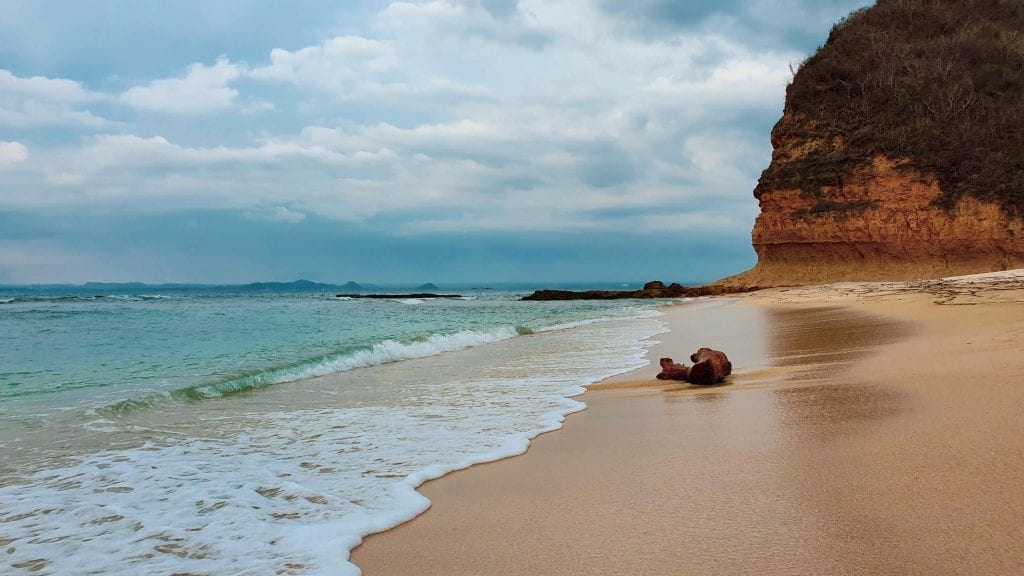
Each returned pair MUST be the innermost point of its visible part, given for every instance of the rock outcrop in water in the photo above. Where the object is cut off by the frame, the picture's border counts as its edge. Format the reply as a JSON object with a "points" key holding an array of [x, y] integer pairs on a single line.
{"points": [[654, 289], [900, 152]]}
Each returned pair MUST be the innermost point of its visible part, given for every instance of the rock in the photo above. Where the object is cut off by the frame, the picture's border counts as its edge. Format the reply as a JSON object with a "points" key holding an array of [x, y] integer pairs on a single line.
{"points": [[710, 367], [672, 371], [654, 289], [584, 295], [898, 153]]}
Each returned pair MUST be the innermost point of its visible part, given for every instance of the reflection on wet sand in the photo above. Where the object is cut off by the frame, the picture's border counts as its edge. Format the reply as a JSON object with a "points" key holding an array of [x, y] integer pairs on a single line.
{"points": [[826, 335], [841, 445]]}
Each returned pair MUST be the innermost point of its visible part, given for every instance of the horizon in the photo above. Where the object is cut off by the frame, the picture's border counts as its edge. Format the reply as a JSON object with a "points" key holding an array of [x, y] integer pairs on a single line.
{"points": [[501, 139], [362, 285]]}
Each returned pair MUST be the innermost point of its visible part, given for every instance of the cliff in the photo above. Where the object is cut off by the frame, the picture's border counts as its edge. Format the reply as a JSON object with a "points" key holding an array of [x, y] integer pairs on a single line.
{"points": [[900, 152]]}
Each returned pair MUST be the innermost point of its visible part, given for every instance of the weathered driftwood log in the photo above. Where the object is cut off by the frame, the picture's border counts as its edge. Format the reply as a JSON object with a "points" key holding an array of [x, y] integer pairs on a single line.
{"points": [[672, 371], [710, 366]]}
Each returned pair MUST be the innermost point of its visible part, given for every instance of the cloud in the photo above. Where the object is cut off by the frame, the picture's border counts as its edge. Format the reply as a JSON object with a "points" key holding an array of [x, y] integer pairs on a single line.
{"points": [[12, 153], [333, 65], [505, 21], [202, 90], [40, 101], [799, 24], [38, 87], [279, 214], [44, 260], [433, 117]]}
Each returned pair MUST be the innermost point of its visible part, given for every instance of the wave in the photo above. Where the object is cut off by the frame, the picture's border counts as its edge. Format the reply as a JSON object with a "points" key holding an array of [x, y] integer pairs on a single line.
{"points": [[32, 299], [578, 323], [383, 352], [84, 298]]}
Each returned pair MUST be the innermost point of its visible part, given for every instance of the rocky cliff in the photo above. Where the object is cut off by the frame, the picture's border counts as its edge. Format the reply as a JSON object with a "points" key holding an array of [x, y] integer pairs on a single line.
{"points": [[900, 153]]}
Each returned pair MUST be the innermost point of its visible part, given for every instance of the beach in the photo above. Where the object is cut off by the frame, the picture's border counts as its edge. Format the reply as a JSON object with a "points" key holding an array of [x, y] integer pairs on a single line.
{"points": [[867, 429]]}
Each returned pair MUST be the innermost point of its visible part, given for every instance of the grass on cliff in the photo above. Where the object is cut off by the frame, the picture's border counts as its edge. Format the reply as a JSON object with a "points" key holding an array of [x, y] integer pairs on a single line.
{"points": [[939, 83]]}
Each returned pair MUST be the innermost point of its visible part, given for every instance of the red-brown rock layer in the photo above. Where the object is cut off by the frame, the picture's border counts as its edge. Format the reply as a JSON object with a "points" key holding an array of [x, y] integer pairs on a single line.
{"points": [[882, 224]]}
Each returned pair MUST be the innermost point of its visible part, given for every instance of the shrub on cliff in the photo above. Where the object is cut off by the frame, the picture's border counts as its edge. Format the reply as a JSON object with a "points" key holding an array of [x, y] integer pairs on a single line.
{"points": [[937, 83]]}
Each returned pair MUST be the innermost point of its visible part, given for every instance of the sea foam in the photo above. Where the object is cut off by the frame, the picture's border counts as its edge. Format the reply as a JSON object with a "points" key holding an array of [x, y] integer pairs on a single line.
{"points": [[295, 492]]}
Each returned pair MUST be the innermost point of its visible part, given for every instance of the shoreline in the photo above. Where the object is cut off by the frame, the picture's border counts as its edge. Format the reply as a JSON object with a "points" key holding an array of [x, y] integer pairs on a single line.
{"points": [[792, 468]]}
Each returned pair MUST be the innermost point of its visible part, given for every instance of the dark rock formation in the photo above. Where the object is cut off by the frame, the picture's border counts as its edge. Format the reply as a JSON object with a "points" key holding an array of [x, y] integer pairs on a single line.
{"points": [[710, 367], [653, 289], [672, 371], [898, 155]]}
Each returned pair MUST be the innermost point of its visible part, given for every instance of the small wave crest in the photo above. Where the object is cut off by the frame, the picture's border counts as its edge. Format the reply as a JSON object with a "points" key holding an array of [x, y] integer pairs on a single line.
{"points": [[35, 299], [630, 314], [383, 352], [84, 298]]}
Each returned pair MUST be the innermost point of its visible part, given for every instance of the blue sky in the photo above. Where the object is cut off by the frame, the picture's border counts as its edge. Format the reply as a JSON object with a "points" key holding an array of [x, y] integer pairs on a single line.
{"points": [[389, 142]]}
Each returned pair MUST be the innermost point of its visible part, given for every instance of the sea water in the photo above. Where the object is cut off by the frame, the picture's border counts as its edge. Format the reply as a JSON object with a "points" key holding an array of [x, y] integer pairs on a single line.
{"points": [[208, 431]]}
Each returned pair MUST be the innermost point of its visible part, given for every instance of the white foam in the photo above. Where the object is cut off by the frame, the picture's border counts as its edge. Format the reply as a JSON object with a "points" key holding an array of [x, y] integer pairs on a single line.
{"points": [[305, 486], [411, 301], [600, 320], [384, 352], [394, 351]]}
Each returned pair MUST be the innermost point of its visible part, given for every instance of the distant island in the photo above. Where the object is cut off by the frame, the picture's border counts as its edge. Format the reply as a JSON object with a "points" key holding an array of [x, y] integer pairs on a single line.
{"points": [[296, 285]]}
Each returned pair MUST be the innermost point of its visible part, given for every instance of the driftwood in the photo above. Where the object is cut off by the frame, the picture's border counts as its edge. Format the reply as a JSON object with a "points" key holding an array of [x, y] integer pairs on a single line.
{"points": [[672, 371], [710, 367]]}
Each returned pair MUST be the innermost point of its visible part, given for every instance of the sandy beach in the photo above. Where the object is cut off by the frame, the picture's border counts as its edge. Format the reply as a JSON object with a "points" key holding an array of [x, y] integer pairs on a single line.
{"points": [[868, 429]]}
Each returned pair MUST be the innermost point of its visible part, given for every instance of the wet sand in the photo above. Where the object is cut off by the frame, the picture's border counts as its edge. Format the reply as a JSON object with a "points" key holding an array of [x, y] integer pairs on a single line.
{"points": [[868, 429]]}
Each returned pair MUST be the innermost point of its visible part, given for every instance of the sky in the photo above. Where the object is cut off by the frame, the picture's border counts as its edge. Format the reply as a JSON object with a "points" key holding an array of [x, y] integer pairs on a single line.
{"points": [[390, 142]]}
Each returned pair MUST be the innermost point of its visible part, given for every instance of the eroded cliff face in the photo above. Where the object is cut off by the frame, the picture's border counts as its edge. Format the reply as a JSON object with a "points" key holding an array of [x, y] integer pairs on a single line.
{"points": [[882, 223], [900, 153]]}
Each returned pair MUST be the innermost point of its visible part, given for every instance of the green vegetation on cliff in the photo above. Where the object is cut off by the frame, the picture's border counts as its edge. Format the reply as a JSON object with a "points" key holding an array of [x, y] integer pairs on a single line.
{"points": [[938, 84]]}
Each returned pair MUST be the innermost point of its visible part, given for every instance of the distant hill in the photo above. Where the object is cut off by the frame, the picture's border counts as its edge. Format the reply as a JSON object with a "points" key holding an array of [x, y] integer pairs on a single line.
{"points": [[427, 286], [113, 285], [296, 285], [900, 151], [350, 285]]}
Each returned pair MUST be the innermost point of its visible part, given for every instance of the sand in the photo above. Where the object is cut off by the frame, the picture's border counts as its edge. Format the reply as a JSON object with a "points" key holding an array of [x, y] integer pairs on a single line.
{"points": [[868, 429]]}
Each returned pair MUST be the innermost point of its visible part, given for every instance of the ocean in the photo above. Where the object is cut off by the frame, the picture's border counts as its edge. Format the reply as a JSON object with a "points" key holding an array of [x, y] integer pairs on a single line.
{"points": [[245, 431]]}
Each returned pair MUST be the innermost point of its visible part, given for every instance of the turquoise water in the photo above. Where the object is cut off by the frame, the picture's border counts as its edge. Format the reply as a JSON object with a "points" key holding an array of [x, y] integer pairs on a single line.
{"points": [[231, 431], [91, 349]]}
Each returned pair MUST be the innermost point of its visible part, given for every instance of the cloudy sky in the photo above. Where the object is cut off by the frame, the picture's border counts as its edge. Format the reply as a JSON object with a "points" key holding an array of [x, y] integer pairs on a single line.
{"points": [[414, 141]]}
